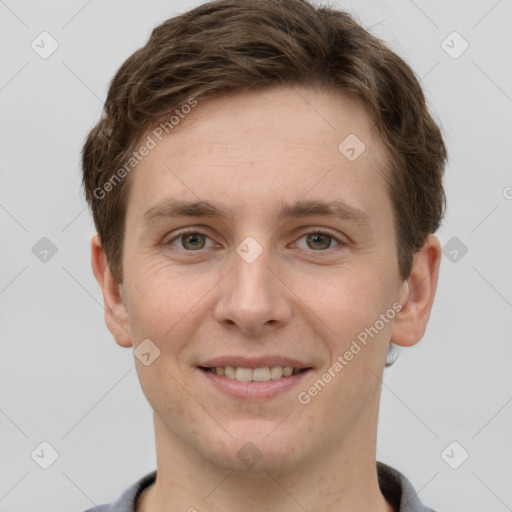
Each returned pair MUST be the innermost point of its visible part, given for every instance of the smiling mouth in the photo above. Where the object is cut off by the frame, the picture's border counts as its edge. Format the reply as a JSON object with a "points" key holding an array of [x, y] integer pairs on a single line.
{"points": [[262, 374]]}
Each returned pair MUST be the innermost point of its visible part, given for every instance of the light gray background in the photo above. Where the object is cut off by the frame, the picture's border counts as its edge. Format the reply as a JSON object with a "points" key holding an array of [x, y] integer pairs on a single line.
{"points": [[66, 382]]}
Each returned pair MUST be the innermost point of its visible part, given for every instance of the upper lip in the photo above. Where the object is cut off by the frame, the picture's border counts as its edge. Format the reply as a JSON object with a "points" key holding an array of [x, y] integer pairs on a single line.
{"points": [[253, 362]]}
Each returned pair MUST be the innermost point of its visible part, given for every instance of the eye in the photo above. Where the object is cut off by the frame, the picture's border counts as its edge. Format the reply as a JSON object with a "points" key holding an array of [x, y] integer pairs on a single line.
{"points": [[319, 240], [189, 240], [194, 241]]}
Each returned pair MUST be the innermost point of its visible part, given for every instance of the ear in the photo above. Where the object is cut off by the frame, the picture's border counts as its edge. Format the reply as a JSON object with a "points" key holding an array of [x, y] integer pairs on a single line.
{"points": [[116, 315], [417, 295]]}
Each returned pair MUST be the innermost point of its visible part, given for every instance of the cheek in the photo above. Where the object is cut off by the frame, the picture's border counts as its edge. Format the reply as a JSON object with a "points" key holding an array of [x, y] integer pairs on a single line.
{"points": [[164, 299], [345, 299], [155, 301], [347, 309]]}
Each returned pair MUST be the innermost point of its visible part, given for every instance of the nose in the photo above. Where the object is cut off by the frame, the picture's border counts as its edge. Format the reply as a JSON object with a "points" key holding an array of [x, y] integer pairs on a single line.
{"points": [[252, 298]]}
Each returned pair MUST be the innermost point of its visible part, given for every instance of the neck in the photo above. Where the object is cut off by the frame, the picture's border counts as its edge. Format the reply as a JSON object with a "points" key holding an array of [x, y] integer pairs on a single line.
{"points": [[342, 479]]}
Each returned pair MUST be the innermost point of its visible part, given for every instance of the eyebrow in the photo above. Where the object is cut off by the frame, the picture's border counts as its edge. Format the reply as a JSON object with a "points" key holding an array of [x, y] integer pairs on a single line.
{"points": [[302, 208]]}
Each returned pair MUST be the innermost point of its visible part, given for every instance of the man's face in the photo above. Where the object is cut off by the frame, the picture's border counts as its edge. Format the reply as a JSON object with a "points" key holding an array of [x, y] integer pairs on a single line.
{"points": [[260, 287]]}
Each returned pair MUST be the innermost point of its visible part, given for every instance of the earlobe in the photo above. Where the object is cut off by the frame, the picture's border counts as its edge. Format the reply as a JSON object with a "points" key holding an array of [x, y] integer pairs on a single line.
{"points": [[116, 315], [411, 322]]}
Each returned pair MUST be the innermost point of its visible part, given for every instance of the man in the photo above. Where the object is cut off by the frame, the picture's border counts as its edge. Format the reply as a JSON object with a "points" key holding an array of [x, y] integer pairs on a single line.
{"points": [[265, 182]]}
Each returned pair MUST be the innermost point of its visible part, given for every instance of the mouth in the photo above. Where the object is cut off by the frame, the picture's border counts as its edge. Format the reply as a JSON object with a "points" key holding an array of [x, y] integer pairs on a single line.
{"points": [[253, 383], [262, 374]]}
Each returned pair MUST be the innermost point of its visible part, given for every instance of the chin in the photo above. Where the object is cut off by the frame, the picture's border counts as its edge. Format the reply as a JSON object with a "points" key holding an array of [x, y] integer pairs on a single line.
{"points": [[258, 447]]}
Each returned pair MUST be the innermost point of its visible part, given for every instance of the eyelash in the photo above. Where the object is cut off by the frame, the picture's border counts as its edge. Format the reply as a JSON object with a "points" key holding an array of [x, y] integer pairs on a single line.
{"points": [[339, 242]]}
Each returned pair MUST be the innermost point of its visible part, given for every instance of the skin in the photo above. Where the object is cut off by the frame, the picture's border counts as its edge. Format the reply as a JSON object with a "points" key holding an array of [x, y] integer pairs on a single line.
{"points": [[251, 152]]}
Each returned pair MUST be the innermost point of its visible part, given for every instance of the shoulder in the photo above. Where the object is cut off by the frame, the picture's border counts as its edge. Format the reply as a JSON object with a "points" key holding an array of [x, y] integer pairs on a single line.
{"points": [[127, 500], [398, 490]]}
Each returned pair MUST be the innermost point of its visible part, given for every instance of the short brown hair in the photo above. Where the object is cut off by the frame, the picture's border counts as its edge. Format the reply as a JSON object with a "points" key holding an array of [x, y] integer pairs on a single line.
{"points": [[231, 46]]}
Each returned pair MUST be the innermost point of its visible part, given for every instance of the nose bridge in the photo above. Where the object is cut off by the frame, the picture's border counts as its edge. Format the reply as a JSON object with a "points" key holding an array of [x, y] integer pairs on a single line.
{"points": [[251, 296], [251, 270]]}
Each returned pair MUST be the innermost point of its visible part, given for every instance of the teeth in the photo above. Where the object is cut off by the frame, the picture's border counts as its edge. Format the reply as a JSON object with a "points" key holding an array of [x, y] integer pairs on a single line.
{"points": [[276, 372], [287, 371], [263, 374], [243, 374], [229, 372]]}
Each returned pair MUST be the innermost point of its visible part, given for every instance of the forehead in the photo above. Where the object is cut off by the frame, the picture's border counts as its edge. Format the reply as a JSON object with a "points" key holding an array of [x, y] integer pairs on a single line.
{"points": [[254, 147], [299, 117]]}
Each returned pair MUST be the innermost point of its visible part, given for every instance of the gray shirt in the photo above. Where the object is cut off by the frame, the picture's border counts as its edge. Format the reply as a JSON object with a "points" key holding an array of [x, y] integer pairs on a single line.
{"points": [[393, 485]]}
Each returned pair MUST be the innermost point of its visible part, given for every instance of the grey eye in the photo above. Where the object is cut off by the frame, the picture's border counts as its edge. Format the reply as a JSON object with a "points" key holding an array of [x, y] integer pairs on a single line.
{"points": [[193, 241], [319, 241]]}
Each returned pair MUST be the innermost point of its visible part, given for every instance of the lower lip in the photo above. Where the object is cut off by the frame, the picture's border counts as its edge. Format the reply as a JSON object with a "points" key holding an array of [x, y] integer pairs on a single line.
{"points": [[254, 390]]}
